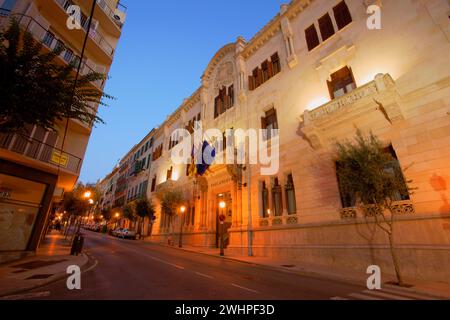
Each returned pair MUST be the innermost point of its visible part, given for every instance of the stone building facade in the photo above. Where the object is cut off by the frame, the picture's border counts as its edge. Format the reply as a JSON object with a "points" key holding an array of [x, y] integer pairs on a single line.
{"points": [[317, 72]]}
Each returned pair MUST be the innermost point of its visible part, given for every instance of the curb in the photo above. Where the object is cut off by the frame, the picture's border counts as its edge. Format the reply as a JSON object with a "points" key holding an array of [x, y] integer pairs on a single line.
{"points": [[314, 274], [55, 278]]}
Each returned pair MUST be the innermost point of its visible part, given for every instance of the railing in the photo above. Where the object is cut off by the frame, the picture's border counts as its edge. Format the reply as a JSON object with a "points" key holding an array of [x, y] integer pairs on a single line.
{"points": [[338, 103], [41, 34], [38, 150], [110, 12], [93, 34]]}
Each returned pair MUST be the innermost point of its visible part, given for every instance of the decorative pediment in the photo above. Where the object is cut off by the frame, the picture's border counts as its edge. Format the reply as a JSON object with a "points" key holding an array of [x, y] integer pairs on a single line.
{"points": [[224, 75]]}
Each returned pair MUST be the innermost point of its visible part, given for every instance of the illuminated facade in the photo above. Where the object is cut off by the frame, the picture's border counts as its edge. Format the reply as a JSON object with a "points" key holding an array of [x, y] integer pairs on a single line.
{"points": [[317, 72]]}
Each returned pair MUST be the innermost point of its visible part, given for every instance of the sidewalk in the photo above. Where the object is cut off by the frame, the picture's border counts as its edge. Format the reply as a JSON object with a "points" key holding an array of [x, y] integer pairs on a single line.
{"points": [[432, 289], [48, 265]]}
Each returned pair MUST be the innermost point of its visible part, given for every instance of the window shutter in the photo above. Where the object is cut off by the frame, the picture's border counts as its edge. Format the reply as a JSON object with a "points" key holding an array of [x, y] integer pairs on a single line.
{"points": [[342, 15], [270, 68], [312, 38], [251, 84], [260, 77], [263, 123], [326, 27]]}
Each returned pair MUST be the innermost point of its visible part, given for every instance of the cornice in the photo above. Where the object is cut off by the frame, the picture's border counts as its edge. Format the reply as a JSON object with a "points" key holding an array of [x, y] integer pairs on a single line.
{"points": [[274, 25]]}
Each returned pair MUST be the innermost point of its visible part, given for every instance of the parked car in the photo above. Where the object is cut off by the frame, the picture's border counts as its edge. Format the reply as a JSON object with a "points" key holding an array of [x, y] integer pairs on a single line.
{"points": [[124, 233]]}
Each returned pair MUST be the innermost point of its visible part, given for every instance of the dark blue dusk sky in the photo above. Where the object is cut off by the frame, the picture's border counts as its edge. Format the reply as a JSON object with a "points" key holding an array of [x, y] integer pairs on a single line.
{"points": [[164, 49]]}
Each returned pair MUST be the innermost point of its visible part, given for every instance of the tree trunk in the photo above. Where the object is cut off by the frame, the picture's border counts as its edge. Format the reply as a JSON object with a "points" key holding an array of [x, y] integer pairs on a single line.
{"points": [[395, 260]]}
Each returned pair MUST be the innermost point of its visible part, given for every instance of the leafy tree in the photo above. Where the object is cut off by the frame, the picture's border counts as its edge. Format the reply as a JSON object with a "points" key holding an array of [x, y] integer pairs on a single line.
{"points": [[128, 211], [36, 90], [143, 208], [375, 178], [170, 204]]}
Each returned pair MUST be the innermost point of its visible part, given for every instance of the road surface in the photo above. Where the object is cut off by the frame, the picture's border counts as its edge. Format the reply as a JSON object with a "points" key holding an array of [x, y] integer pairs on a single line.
{"points": [[126, 269]]}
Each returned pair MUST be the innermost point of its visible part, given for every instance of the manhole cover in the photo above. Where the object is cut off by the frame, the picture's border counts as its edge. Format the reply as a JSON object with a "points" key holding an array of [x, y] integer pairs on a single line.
{"points": [[37, 264], [288, 265], [39, 276]]}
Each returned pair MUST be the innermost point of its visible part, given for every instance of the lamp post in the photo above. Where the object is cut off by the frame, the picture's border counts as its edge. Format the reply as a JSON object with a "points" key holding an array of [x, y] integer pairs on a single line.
{"points": [[117, 215], [182, 210], [222, 218]]}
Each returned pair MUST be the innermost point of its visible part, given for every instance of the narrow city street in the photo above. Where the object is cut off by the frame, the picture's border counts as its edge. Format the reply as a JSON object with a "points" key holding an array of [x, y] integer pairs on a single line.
{"points": [[123, 269]]}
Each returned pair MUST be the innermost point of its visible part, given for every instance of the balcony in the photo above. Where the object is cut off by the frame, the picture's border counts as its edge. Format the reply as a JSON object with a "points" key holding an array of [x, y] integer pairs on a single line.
{"points": [[50, 42], [94, 35], [112, 15], [378, 97], [40, 151]]}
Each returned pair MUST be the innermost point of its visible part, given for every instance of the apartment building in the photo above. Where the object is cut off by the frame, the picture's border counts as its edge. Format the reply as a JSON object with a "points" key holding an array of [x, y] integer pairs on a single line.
{"points": [[36, 168], [317, 72]]}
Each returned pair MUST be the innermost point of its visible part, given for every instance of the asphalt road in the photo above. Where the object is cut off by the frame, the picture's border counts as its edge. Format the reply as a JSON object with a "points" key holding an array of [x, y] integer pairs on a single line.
{"points": [[125, 269]]}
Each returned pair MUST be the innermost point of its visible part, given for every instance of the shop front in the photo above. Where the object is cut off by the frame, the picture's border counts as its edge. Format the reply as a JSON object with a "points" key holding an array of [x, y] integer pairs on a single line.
{"points": [[25, 197]]}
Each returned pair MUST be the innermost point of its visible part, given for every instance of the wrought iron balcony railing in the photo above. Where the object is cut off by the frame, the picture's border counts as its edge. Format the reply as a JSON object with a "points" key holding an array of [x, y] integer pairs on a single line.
{"points": [[38, 150], [41, 34], [93, 34]]}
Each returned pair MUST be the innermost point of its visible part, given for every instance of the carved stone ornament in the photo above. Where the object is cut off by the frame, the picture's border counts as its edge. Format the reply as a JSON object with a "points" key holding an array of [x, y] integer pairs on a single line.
{"points": [[224, 76]]}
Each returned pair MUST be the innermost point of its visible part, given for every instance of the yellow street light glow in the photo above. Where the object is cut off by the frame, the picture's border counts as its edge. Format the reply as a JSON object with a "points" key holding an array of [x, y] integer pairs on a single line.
{"points": [[183, 209], [117, 215], [87, 194], [91, 201], [101, 217], [222, 204]]}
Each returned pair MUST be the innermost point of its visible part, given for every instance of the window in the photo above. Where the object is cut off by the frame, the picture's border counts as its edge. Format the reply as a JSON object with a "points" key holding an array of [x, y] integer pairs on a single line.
{"points": [[276, 66], [312, 39], [277, 198], [265, 70], [169, 174], [342, 15], [60, 46], [342, 82], [76, 61], [262, 74], [290, 195], [153, 184], [146, 147], [48, 39], [326, 27], [269, 123], [265, 200], [158, 152], [68, 55], [348, 200], [224, 101], [193, 215]]}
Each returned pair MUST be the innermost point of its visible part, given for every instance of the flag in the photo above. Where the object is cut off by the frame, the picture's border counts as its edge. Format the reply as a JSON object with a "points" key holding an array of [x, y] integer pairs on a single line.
{"points": [[207, 158]]}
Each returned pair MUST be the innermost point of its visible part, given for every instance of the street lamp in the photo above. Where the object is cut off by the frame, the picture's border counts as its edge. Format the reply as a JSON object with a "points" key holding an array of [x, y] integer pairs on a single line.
{"points": [[222, 218], [87, 194], [182, 210], [117, 215]]}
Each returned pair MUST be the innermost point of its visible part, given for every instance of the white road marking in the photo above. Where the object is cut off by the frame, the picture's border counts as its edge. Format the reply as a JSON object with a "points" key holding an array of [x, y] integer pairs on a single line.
{"points": [[27, 296], [407, 294], [204, 275], [244, 288], [338, 298], [386, 295], [168, 263], [362, 296]]}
